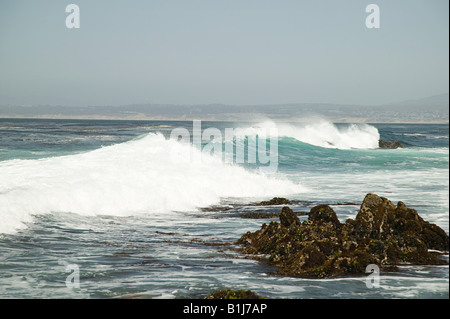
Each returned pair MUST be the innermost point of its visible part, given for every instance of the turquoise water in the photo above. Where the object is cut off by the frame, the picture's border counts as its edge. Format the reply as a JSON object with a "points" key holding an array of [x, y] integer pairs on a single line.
{"points": [[107, 196]]}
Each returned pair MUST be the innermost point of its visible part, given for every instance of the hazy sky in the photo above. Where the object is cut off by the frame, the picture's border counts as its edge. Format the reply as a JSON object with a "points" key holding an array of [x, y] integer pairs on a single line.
{"points": [[222, 51]]}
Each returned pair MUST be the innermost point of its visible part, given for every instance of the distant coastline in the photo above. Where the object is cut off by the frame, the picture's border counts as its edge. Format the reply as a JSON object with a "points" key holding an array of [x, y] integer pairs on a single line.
{"points": [[212, 119], [433, 110]]}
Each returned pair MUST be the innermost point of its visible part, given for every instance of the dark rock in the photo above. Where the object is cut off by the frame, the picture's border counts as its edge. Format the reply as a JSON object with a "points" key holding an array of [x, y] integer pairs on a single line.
{"points": [[373, 215], [265, 214], [233, 294], [323, 214], [275, 201], [381, 234], [288, 217], [390, 144], [259, 215]]}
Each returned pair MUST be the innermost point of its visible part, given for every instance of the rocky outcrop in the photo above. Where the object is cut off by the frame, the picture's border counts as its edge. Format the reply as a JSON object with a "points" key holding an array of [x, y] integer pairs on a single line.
{"points": [[390, 144], [382, 233]]}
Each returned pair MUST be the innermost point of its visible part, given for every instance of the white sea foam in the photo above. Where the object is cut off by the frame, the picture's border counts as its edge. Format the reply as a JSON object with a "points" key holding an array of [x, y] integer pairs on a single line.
{"points": [[426, 135], [136, 177], [324, 134]]}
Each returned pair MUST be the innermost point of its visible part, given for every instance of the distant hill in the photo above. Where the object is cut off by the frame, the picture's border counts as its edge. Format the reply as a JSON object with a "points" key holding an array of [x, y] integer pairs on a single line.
{"points": [[434, 109], [436, 101]]}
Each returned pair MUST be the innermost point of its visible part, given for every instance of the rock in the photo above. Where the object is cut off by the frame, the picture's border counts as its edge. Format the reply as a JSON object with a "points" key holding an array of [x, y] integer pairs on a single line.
{"points": [[233, 294], [259, 215], [266, 215], [288, 217], [372, 215], [323, 214], [382, 233], [390, 144], [275, 201], [383, 220]]}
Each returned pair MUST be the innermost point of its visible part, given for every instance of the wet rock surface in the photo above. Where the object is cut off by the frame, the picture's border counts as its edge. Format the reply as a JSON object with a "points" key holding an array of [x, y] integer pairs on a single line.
{"points": [[233, 294], [382, 233], [275, 201], [390, 144]]}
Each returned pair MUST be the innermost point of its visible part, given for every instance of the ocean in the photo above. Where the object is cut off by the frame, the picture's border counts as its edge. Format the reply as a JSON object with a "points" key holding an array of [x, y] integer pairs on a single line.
{"points": [[121, 209]]}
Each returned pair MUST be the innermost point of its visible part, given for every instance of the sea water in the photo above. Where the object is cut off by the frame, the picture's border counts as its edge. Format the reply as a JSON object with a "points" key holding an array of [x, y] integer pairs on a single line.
{"points": [[107, 199]]}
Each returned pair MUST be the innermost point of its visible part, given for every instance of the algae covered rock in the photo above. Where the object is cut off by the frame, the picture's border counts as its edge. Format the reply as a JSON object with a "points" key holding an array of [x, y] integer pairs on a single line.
{"points": [[382, 233], [233, 294], [324, 214], [380, 219], [288, 217]]}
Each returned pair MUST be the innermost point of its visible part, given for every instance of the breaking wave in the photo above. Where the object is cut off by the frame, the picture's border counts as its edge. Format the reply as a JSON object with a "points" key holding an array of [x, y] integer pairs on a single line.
{"points": [[135, 177]]}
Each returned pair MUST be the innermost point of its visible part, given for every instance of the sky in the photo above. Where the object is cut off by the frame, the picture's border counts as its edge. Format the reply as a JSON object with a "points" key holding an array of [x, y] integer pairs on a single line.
{"points": [[240, 52]]}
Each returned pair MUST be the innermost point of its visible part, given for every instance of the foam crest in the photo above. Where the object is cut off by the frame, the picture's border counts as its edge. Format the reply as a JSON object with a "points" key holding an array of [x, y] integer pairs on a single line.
{"points": [[136, 177], [324, 134]]}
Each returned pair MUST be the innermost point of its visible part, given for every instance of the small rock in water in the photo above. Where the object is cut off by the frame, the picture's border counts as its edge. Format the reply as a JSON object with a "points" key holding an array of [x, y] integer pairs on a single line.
{"points": [[275, 201], [390, 144], [233, 294]]}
